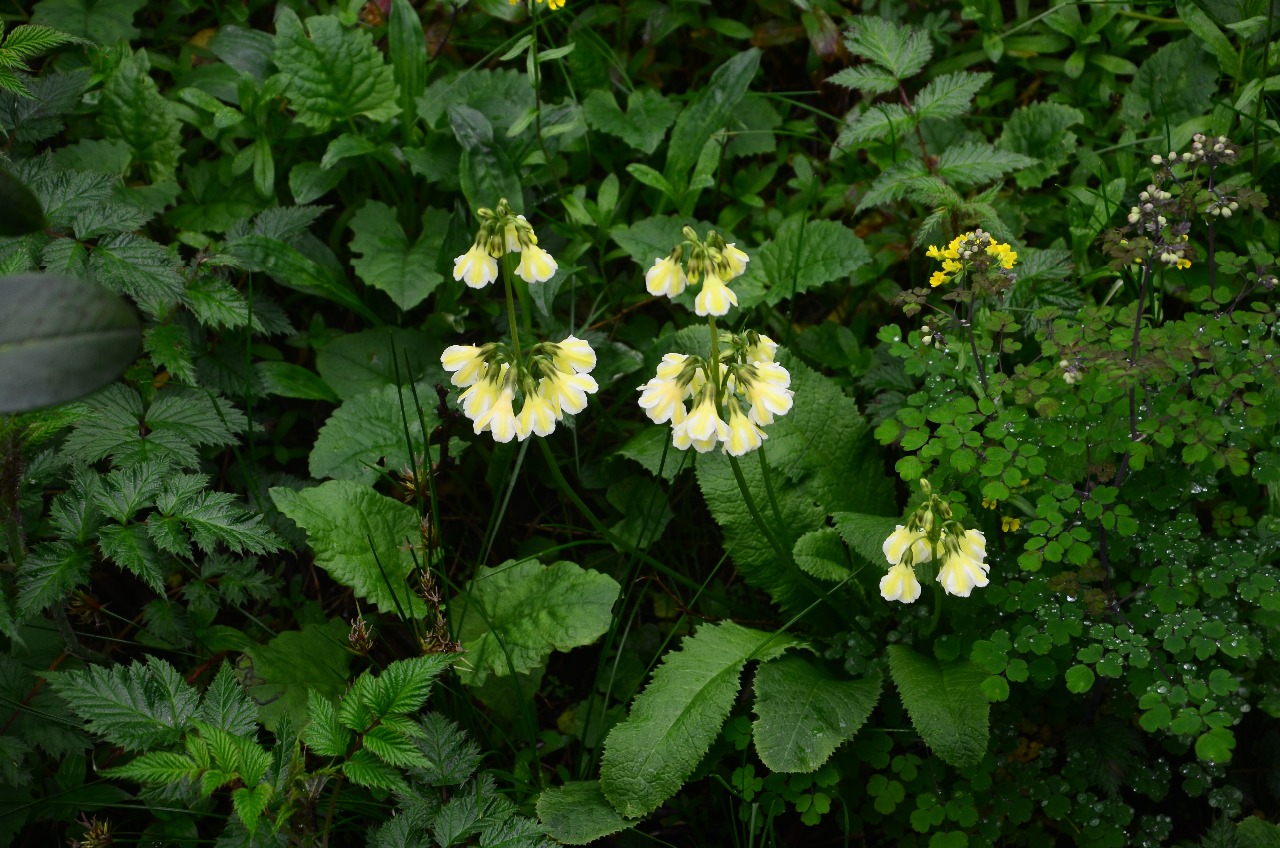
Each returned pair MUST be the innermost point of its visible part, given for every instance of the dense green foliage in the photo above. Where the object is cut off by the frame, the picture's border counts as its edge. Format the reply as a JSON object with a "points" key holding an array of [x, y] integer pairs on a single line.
{"points": [[331, 517]]}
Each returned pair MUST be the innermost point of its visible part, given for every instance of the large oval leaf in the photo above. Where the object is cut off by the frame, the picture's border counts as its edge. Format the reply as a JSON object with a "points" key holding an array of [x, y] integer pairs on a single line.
{"points": [[60, 339], [578, 813], [804, 714], [945, 702]]}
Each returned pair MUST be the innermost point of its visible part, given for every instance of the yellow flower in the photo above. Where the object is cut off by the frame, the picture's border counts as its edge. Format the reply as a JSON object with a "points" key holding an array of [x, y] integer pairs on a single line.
{"points": [[900, 584], [480, 396], [744, 435], [736, 259], [1183, 263], [665, 278], [702, 427], [934, 252], [938, 279], [536, 265], [500, 418], [990, 503], [765, 387], [476, 267], [574, 354], [1010, 525], [567, 392], [964, 568], [662, 398], [537, 417], [715, 297], [466, 361], [901, 540]]}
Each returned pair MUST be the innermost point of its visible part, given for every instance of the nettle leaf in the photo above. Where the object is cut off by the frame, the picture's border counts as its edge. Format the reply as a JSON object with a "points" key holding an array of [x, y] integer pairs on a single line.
{"points": [[158, 768], [869, 79], [806, 254], [578, 813], [360, 538], [1040, 130], [215, 518], [404, 685], [451, 756], [804, 714], [649, 756], [133, 110], [116, 424], [879, 121], [642, 126], [365, 769], [973, 164], [948, 96], [49, 574], [510, 618], [170, 349], [139, 268], [901, 50], [227, 707], [324, 734], [215, 303], [333, 75], [137, 707], [385, 258], [945, 702], [895, 182], [131, 548]]}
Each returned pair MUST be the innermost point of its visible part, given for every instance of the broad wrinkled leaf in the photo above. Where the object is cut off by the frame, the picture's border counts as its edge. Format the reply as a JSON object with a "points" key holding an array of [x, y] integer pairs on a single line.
{"points": [[804, 714], [945, 702], [578, 813]]}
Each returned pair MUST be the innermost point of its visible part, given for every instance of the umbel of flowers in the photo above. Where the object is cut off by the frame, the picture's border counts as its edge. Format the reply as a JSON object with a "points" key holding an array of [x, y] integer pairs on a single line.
{"points": [[931, 536], [728, 397], [709, 262], [732, 408], [973, 251], [507, 391]]}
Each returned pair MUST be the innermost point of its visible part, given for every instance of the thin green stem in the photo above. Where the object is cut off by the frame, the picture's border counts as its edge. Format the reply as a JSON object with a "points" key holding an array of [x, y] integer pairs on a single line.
{"points": [[750, 501], [511, 308], [768, 490]]}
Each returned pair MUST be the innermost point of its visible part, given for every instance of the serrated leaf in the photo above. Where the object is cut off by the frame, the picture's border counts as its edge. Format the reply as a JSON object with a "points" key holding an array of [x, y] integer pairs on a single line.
{"points": [[806, 254], [26, 41], [894, 183], [157, 768], [215, 518], [333, 75], [672, 723], [137, 707], [974, 164], [901, 50], [880, 121], [392, 748], [865, 534], [510, 618], [116, 424], [386, 259], [451, 756], [249, 804], [404, 685], [324, 734], [803, 713], [359, 538], [170, 349], [1040, 130], [709, 112], [131, 548], [215, 303], [49, 574], [948, 96], [578, 813], [139, 268], [290, 267], [357, 362], [869, 79], [1173, 85], [642, 126], [945, 702], [822, 555], [134, 111], [365, 769], [369, 429], [226, 706], [60, 339]]}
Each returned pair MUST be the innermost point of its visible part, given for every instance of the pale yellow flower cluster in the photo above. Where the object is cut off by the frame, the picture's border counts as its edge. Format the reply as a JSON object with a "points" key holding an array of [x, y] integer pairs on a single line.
{"points": [[755, 390], [502, 232], [976, 247], [491, 378], [712, 261], [963, 555]]}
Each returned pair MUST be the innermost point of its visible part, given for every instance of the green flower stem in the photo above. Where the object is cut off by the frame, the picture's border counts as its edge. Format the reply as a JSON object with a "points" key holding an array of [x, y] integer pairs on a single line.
{"points": [[783, 554], [511, 308], [937, 610], [768, 489], [558, 478]]}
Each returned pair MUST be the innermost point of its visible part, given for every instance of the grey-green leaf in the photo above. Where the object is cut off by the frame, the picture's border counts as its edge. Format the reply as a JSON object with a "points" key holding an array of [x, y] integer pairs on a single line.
{"points": [[510, 618], [360, 538], [386, 259], [578, 813], [20, 211], [803, 713], [60, 339], [822, 555], [649, 756], [945, 702]]}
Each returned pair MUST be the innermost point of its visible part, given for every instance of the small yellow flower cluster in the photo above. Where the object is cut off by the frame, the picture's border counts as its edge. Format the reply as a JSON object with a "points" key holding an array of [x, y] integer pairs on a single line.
{"points": [[713, 262], [1175, 254], [746, 375], [502, 232], [491, 376], [975, 248], [930, 534], [554, 4], [1010, 525]]}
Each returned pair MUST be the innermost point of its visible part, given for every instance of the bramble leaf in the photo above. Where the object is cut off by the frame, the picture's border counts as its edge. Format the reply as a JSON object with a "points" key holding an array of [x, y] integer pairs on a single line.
{"points": [[137, 707]]}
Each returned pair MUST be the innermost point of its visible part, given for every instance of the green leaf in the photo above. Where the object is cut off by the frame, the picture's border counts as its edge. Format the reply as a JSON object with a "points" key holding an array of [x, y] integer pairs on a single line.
{"points": [[359, 538], [901, 50], [803, 713], [324, 734], [227, 707], [355, 363], [333, 75], [103, 21], [1203, 27], [129, 546], [215, 518], [806, 254], [821, 554], [134, 111], [945, 702], [293, 381], [408, 50], [1216, 745], [1173, 85], [279, 674], [973, 164], [140, 268], [452, 756], [874, 124], [1040, 130], [158, 768], [869, 79], [404, 685], [215, 303], [49, 574], [486, 172], [1079, 679], [169, 346], [709, 112], [137, 707], [649, 756], [368, 429], [60, 339], [948, 96], [642, 126], [288, 266], [20, 211], [578, 813], [1253, 832], [365, 769], [510, 618], [249, 804], [386, 259], [345, 146]]}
